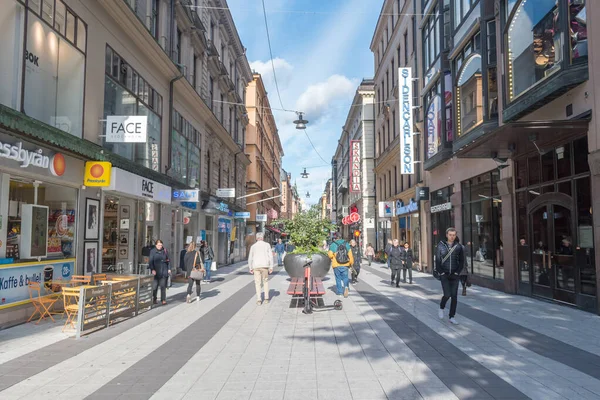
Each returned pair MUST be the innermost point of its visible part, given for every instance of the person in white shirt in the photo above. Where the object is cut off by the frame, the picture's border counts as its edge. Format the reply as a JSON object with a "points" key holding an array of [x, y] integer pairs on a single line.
{"points": [[260, 262]]}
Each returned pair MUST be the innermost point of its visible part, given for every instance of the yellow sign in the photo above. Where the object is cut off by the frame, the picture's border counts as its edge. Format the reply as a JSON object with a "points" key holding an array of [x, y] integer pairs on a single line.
{"points": [[97, 173], [233, 234]]}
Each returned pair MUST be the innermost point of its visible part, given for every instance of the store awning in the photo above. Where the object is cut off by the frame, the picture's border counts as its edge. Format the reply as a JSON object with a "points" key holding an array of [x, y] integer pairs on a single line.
{"points": [[522, 137], [274, 230]]}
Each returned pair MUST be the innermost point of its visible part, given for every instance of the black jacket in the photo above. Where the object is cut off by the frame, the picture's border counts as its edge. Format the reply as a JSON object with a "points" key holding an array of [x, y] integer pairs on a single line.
{"points": [[453, 264], [159, 262], [188, 261], [207, 253], [356, 256], [395, 254], [407, 257]]}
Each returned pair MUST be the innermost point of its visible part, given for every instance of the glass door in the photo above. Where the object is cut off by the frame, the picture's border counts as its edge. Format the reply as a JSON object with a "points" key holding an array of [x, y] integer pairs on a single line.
{"points": [[553, 266]]}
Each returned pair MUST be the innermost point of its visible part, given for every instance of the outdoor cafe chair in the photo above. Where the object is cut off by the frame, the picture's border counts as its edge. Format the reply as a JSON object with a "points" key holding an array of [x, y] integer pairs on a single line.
{"points": [[43, 304], [81, 280], [71, 306]]}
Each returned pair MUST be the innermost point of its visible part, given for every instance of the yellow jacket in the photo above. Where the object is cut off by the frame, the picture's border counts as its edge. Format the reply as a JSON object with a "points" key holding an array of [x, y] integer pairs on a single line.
{"points": [[334, 262]]}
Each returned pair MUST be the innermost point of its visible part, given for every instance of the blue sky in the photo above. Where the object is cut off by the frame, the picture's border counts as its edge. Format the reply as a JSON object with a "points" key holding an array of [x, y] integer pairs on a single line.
{"points": [[321, 53]]}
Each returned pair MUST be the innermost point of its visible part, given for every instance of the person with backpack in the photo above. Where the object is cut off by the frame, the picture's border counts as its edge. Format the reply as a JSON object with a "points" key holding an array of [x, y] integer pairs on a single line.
{"points": [[388, 246], [208, 255], [355, 268], [341, 260], [395, 258], [449, 262], [194, 268], [407, 262], [159, 265]]}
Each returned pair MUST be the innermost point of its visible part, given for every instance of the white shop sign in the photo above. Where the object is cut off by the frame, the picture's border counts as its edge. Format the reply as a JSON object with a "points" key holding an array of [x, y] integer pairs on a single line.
{"points": [[227, 193], [261, 217], [126, 128], [441, 207], [131, 184], [406, 122]]}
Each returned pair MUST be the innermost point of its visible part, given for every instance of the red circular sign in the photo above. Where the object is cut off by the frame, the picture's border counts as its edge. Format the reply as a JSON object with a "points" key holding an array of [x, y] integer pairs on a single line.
{"points": [[354, 217], [344, 220]]}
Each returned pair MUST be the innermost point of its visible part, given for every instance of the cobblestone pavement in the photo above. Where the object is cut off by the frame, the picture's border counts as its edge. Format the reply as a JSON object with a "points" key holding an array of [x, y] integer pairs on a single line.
{"points": [[386, 343]]}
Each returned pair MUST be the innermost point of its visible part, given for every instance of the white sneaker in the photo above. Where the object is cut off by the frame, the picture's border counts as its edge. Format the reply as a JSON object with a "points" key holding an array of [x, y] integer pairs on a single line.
{"points": [[441, 313], [188, 298], [197, 298], [453, 321]]}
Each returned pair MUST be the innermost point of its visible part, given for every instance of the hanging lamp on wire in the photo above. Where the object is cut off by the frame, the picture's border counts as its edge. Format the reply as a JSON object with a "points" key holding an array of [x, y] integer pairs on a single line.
{"points": [[307, 195], [300, 122], [304, 174]]}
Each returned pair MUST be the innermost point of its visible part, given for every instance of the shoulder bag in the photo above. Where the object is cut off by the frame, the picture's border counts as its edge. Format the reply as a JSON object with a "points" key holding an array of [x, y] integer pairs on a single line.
{"points": [[436, 273], [196, 274]]}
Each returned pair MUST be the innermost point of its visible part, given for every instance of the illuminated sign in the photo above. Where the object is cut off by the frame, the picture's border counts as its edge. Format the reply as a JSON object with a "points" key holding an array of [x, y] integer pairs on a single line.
{"points": [[97, 173], [406, 122]]}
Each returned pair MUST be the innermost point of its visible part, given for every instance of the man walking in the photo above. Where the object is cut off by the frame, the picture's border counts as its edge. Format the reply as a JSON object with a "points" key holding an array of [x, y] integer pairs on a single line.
{"points": [[279, 250], [355, 268], [388, 247], [449, 262], [341, 260], [395, 258], [260, 262]]}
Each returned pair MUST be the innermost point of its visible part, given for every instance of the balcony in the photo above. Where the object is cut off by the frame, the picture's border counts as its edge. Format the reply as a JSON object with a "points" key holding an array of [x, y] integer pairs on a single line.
{"points": [[192, 15]]}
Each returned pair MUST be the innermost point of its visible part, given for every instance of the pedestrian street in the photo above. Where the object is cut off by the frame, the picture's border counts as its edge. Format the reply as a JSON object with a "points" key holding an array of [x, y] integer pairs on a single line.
{"points": [[386, 343]]}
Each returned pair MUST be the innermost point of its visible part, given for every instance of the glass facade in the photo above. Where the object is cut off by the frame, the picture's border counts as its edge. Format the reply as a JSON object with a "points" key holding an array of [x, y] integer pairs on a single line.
{"points": [[185, 151], [442, 214], [482, 225], [127, 93]]}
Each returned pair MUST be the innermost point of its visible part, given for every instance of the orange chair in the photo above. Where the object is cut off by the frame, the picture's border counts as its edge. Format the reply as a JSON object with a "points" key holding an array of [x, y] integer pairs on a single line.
{"points": [[99, 278], [81, 280], [43, 304], [71, 306]]}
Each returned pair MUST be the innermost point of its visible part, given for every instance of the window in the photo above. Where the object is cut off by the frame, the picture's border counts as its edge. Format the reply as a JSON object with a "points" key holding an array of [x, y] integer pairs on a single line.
{"points": [[378, 142], [394, 122], [431, 39], [230, 121], [154, 21], [127, 93], [185, 151], [384, 187], [211, 87], [433, 121], [491, 42], [390, 182], [212, 31], [219, 176], [222, 110], [469, 95], [195, 72], [53, 90], [482, 225], [178, 46], [534, 45], [462, 9], [395, 179], [208, 171]]}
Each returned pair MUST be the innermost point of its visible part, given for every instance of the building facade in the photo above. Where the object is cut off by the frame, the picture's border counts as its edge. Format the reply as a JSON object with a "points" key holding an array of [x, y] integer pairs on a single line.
{"points": [[71, 66], [511, 158], [396, 45], [355, 162], [263, 175]]}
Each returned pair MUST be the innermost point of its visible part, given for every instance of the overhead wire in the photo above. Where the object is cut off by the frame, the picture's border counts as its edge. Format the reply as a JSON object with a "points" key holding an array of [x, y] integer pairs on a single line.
{"points": [[271, 53], [284, 11]]}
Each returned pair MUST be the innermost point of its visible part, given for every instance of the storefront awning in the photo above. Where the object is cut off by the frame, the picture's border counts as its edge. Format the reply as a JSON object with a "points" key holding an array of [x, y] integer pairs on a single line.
{"points": [[522, 137], [274, 230]]}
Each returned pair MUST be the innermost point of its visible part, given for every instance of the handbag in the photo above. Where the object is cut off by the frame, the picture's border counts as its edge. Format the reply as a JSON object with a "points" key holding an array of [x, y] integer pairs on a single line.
{"points": [[213, 266], [196, 274]]}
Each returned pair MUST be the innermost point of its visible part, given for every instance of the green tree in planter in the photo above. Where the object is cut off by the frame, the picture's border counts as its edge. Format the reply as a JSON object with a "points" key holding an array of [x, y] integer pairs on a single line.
{"points": [[307, 231]]}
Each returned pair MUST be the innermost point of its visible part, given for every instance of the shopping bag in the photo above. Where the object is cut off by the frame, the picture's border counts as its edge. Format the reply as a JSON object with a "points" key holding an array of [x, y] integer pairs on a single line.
{"points": [[213, 266]]}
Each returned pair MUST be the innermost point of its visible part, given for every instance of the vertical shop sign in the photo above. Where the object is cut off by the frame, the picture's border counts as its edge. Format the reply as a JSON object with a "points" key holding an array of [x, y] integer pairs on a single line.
{"points": [[355, 163], [406, 122]]}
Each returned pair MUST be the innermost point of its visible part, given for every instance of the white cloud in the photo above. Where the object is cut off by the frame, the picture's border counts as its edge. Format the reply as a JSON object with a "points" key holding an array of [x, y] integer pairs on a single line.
{"points": [[317, 100], [283, 69]]}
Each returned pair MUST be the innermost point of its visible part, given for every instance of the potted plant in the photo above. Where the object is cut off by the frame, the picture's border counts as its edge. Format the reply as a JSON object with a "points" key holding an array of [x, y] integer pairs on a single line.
{"points": [[307, 231]]}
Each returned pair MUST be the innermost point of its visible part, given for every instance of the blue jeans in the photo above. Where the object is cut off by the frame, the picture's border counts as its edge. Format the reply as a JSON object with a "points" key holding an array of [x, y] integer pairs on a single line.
{"points": [[341, 276], [279, 258], [207, 264]]}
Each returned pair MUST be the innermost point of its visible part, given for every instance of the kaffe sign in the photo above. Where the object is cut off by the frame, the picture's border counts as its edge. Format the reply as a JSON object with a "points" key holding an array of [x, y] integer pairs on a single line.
{"points": [[126, 128], [406, 122], [14, 279], [355, 166]]}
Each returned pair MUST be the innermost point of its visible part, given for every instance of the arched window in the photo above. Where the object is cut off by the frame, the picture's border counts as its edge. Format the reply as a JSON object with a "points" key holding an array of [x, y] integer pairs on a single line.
{"points": [[469, 95], [535, 43]]}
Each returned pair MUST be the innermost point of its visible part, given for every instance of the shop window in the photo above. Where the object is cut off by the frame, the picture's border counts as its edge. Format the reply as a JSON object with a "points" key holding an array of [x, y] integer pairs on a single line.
{"points": [[54, 75], [433, 100], [534, 40], [56, 236], [469, 95], [580, 147], [563, 161], [578, 31], [584, 251], [127, 93]]}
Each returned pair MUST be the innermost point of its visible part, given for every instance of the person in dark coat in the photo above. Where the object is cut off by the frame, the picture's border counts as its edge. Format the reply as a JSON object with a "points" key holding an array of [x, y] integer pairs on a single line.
{"points": [[159, 265], [193, 259], [208, 255], [395, 257], [388, 246], [407, 262], [355, 268], [449, 262]]}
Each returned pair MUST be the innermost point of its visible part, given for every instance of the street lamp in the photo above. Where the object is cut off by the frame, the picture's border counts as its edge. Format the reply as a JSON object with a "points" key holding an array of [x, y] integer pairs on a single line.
{"points": [[307, 195], [300, 122], [304, 174]]}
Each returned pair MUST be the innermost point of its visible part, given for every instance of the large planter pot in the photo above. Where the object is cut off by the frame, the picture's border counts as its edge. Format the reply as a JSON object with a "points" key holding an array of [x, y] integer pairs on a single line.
{"points": [[294, 265]]}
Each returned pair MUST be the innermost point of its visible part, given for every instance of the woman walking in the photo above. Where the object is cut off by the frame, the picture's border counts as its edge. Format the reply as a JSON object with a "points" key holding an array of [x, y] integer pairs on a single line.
{"points": [[370, 253], [208, 255], [355, 268], [159, 265], [395, 260], [407, 262], [449, 261], [194, 267]]}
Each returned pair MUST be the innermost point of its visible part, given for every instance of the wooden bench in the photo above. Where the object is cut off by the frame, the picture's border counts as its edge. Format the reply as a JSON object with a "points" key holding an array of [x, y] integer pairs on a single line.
{"points": [[296, 287]]}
